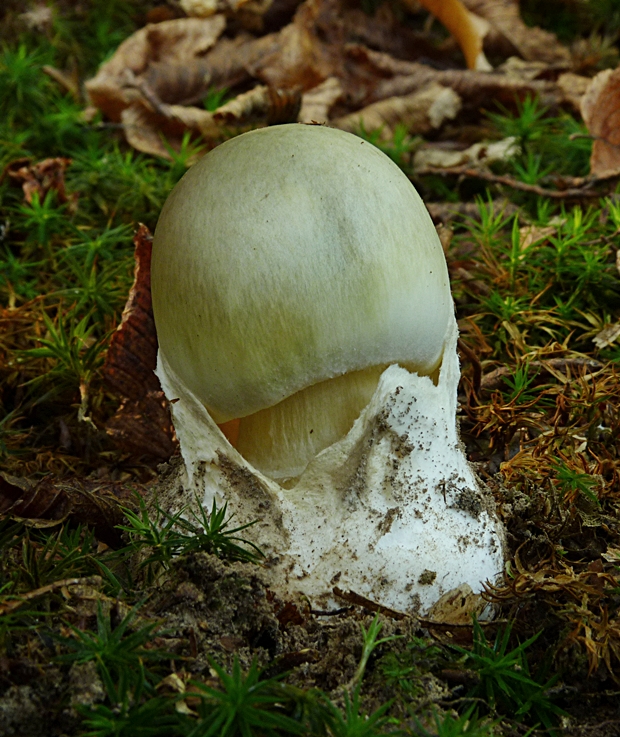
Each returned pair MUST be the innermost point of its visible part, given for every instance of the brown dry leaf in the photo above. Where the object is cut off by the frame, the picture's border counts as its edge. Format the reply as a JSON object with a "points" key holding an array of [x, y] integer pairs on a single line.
{"points": [[317, 102], [80, 587], [530, 43], [574, 87], [530, 234], [146, 129], [476, 89], [307, 51], [260, 104], [176, 42], [457, 606], [480, 154], [600, 108], [421, 112], [385, 31], [142, 424], [230, 60], [38, 179], [207, 8], [48, 502]]}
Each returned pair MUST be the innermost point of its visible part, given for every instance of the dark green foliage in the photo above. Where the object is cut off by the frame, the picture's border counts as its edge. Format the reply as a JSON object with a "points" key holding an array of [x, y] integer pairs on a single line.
{"points": [[351, 722], [465, 725], [571, 19], [245, 705], [404, 670], [163, 537], [549, 144], [506, 683], [154, 717], [119, 654]]}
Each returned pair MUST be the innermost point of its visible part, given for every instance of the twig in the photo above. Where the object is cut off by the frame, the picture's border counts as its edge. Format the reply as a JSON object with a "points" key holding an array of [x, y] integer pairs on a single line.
{"points": [[9, 606], [582, 186], [360, 600]]}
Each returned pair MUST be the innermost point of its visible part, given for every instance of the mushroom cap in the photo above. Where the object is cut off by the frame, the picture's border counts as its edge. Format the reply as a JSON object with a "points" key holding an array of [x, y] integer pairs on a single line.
{"points": [[290, 255]]}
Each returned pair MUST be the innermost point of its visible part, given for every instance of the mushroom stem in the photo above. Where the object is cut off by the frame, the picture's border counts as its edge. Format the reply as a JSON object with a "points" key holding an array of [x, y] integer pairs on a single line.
{"points": [[281, 440]]}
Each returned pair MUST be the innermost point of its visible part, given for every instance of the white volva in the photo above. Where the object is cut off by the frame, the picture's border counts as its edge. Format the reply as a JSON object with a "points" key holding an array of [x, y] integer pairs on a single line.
{"points": [[300, 290]]}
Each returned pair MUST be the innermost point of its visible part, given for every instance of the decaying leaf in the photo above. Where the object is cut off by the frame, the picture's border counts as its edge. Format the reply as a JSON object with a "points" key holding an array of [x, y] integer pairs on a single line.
{"points": [[50, 502], [476, 89], [207, 8], [142, 424], [480, 154], [457, 606], [307, 51], [175, 42], [574, 87], [40, 178], [600, 108], [530, 234], [349, 66], [260, 104], [420, 112], [608, 335], [317, 103], [158, 131]]}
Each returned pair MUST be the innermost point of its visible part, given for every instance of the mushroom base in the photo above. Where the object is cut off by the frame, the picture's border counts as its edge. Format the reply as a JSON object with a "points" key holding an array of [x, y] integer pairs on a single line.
{"points": [[392, 511]]}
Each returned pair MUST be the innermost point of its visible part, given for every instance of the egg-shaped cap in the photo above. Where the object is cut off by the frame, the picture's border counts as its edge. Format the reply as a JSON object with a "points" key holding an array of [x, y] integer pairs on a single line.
{"points": [[290, 255]]}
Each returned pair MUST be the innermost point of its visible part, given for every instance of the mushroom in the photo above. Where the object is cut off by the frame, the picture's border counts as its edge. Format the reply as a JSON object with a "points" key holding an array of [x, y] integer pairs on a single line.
{"points": [[306, 330]]}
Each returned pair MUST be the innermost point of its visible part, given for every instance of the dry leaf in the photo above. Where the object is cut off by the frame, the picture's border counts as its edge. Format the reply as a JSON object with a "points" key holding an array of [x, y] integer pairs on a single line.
{"points": [[600, 108], [40, 178], [530, 43], [530, 234], [421, 112], [608, 335], [457, 606], [307, 51], [317, 102], [260, 104], [49, 502], [480, 154], [574, 87], [385, 31], [142, 424], [476, 89], [156, 132], [207, 8], [176, 42]]}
